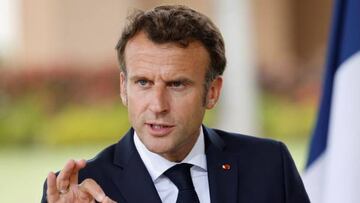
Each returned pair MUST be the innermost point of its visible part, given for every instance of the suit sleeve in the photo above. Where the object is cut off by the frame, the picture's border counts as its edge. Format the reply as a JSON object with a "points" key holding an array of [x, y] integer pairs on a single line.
{"points": [[43, 198], [294, 188]]}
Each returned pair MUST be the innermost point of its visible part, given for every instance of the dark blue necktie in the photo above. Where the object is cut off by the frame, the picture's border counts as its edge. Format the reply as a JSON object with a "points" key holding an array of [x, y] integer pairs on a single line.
{"points": [[180, 176]]}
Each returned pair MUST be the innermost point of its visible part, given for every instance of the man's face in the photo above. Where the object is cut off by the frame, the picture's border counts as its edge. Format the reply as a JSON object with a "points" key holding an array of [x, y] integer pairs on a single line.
{"points": [[163, 91]]}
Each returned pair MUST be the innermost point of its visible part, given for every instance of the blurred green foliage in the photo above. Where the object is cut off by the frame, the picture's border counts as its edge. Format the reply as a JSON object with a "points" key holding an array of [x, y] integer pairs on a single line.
{"points": [[20, 120], [284, 118], [85, 124], [60, 106], [26, 122]]}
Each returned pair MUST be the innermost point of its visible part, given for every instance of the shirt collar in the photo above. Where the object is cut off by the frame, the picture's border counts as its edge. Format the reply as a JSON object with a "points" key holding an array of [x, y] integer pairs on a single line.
{"points": [[157, 165]]}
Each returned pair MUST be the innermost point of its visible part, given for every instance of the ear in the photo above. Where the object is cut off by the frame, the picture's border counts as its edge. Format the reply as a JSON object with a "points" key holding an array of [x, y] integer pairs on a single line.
{"points": [[214, 92], [123, 93]]}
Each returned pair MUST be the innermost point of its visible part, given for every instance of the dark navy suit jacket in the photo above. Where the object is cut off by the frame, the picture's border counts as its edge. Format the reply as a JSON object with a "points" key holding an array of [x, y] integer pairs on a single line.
{"points": [[261, 170]]}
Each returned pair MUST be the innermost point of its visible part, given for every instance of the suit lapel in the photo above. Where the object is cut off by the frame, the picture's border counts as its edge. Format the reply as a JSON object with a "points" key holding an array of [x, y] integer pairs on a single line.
{"points": [[133, 180], [135, 184], [223, 181]]}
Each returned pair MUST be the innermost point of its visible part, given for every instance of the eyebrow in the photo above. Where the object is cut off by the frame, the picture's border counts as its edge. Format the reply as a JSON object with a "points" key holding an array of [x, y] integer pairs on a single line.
{"points": [[179, 79], [138, 77], [182, 80]]}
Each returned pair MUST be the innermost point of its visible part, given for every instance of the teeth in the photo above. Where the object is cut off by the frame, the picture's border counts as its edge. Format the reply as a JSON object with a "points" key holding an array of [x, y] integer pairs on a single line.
{"points": [[158, 126]]}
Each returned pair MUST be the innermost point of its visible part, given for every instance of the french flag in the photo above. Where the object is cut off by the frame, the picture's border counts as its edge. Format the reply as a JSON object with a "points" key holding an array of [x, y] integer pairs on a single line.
{"points": [[333, 169]]}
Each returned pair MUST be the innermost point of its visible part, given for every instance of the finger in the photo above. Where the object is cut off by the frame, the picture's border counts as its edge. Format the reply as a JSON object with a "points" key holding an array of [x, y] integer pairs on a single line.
{"points": [[75, 173], [63, 179], [52, 192], [90, 187], [80, 163], [108, 200]]}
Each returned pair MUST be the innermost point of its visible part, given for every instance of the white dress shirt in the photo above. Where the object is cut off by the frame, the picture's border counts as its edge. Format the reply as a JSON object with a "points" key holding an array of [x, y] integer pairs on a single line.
{"points": [[157, 165]]}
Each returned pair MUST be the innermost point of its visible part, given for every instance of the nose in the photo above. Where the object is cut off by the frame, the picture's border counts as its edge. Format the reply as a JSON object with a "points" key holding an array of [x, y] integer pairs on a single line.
{"points": [[159, 103]]}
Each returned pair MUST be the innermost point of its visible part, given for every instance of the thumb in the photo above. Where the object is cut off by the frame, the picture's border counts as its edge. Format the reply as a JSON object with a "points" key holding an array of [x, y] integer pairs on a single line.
{"points": [[90, 187], [108, 200]]}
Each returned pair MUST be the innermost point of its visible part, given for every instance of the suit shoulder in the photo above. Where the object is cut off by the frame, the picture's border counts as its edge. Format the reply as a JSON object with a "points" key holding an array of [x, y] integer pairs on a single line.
{"points": [[104, 156], [96, 166], [237, 137], [239, 142]]}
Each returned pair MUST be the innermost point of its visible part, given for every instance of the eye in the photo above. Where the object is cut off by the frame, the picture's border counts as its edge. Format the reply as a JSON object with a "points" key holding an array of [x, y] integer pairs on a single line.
{"points": [[142, 82], [176, 84]]}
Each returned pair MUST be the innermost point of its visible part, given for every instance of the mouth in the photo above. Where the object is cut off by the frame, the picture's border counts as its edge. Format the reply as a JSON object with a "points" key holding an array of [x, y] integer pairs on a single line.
{"points": [[159, 129]]}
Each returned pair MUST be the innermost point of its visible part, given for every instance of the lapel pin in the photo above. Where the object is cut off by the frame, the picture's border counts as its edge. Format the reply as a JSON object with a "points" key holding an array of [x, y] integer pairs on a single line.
{"points": [[226, 167]]}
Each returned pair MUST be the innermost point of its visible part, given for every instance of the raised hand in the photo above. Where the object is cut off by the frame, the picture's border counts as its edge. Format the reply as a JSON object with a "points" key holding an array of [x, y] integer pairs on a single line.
{"points": [[65, 187]]}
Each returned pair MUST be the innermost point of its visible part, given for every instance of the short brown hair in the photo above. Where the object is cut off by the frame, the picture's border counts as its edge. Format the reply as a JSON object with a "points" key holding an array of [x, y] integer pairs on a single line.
{"points": [[178, 24]]}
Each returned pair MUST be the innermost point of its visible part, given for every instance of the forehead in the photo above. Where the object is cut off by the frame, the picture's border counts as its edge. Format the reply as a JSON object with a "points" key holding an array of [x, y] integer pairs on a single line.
{"points": [[141, 49]]}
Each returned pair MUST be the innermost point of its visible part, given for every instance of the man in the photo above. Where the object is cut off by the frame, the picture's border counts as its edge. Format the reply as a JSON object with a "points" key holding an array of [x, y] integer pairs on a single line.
{"points": [[171, 60]]}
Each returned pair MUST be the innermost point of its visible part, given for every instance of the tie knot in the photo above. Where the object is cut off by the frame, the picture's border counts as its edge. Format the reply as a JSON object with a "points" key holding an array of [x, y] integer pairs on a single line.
{"points": [[180, 176]]}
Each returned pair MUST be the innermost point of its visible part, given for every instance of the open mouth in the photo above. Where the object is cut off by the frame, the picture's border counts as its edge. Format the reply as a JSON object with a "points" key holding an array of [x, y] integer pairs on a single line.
{"points": [[159, 126], [159, 129]]}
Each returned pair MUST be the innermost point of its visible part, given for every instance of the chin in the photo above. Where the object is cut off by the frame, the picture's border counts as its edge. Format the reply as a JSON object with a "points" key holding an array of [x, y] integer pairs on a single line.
{"points": [[158, 147]]}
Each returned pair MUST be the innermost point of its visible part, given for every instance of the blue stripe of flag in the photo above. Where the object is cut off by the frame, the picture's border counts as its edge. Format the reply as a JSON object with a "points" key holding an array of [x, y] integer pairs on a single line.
{"points": [[344, 42]]}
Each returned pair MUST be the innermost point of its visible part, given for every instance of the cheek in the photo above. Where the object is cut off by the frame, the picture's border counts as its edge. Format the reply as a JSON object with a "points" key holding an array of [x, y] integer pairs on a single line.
{"points": [[135, 108], [190, 110]]}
